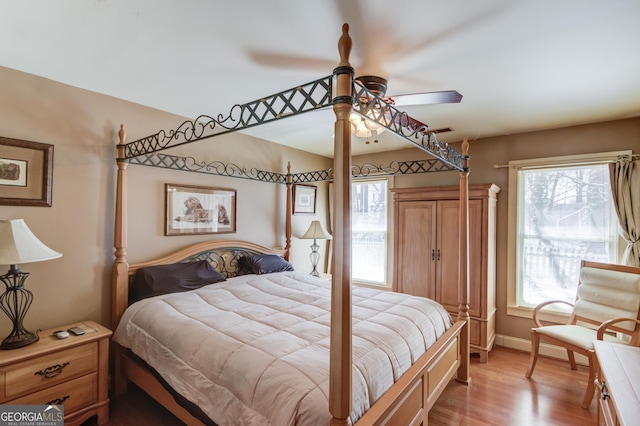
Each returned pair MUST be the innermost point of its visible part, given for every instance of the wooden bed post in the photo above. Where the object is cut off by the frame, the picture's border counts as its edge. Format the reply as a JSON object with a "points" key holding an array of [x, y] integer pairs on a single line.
{"points": [[120, 270], [120, 275], [340, 358], [289, 212], [463, 269]]}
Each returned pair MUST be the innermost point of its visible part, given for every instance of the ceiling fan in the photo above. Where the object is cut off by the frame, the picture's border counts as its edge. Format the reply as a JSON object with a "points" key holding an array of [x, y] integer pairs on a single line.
{"points": [[378, 86], [376, 47]]}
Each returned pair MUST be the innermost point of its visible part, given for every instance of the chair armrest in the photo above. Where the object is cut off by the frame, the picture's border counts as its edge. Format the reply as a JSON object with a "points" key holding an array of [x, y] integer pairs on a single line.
{"points": [[605, 325], [542, 305]]}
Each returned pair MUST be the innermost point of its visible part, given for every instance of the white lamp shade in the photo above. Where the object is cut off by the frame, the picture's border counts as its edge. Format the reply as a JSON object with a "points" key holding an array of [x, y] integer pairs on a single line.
{"points": [[316, 231], [19, 245]]}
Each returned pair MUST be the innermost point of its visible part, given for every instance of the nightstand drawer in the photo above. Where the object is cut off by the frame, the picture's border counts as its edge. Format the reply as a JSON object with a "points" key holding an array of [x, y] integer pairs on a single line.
{"points": [[74, 394], [49, 370]]}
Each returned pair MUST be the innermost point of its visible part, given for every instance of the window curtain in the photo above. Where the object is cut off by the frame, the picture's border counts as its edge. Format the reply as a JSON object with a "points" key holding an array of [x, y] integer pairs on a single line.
{"points": [[625, 189]]}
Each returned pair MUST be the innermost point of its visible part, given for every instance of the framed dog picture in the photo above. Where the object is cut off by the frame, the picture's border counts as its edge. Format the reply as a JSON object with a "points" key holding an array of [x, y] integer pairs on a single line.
{"points": [[193, 210]]}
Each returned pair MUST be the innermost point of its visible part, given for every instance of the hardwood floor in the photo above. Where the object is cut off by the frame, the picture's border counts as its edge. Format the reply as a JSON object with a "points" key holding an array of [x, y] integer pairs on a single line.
{"points": [[499, 394]]}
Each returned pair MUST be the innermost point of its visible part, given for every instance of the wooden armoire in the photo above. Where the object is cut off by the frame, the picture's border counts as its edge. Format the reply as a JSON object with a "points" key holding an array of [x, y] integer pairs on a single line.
{"points": [[427, 254]]}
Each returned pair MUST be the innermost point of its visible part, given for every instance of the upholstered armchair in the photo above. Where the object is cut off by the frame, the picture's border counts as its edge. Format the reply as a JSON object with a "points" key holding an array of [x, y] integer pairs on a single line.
{"points": [[607, 307]]}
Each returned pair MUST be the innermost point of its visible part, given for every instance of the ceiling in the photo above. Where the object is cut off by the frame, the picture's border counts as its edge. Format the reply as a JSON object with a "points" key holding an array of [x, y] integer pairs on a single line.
{"points": [[521, 65]]}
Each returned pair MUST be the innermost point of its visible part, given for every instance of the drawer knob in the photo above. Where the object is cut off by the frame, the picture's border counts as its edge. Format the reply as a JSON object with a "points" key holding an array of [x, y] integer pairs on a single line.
{"points": [[57, 401], [52, 371]]}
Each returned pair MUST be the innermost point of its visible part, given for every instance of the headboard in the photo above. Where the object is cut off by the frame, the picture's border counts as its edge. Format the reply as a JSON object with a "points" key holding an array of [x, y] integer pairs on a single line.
{"points": [[223, 255]]}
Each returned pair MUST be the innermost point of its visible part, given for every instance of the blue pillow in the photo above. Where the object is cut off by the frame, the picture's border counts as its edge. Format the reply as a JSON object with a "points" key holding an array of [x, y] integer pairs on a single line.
{"points": [[263, 264], [172, 278]]}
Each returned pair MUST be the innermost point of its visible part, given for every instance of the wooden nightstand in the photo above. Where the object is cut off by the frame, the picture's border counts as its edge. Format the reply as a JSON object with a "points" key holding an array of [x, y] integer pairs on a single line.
{"points": [[72, 372]]}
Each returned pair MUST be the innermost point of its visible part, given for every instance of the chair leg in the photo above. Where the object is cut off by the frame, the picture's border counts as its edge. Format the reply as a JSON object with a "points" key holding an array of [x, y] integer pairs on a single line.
{"points": [[588, 396], [572, 359], [535, 346]]}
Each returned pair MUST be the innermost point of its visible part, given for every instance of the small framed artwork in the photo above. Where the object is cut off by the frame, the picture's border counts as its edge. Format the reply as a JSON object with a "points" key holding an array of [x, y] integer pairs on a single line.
{"points": [[26, 173], [304, 198], [193, 210]]}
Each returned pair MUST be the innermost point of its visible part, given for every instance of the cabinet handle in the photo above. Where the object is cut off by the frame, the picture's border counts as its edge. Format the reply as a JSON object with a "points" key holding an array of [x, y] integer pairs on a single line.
{"points": [[438, 254], [604, 393], [57, 401], [433, 254], [52, 371]]}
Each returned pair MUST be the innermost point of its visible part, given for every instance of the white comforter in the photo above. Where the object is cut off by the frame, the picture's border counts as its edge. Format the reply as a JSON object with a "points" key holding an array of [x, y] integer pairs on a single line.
{"points": [[254, 350]]}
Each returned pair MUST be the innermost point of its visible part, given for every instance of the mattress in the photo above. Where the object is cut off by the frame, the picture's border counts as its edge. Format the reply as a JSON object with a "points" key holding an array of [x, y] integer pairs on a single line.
{"points": [[254, 350]]}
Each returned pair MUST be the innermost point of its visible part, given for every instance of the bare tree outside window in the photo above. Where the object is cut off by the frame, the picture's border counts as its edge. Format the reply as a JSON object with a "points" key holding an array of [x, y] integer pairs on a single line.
{"points": [[565, 215]]}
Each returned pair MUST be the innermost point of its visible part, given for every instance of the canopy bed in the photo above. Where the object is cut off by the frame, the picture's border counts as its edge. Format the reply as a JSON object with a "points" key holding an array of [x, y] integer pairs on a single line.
{"points": [[421, 370]]}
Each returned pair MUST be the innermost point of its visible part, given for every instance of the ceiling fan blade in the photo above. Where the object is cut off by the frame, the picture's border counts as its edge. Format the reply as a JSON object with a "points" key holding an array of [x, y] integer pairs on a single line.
{"points": [[443, 97], [405, 121], [279, 60]]}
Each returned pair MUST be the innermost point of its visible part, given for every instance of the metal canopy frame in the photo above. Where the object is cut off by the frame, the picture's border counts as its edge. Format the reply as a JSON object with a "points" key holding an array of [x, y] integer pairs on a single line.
{"points": [[308, 97]]}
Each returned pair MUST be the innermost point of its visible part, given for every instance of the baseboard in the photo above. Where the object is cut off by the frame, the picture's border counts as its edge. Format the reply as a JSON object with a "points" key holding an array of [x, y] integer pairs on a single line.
{"points": [[545, 349]]}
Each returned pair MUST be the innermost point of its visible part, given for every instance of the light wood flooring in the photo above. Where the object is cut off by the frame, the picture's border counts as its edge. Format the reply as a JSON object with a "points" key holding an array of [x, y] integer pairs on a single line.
{"points": [[498, 395]]}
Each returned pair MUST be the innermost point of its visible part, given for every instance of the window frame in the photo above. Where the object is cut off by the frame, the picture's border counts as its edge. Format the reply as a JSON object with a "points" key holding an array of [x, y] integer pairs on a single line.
{"points": [[387, 284], [554, 313]]}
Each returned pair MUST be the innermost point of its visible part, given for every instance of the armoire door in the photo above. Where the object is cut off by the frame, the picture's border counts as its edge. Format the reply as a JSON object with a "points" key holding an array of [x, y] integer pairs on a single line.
{"points": [[448, 255], [415, 242]]}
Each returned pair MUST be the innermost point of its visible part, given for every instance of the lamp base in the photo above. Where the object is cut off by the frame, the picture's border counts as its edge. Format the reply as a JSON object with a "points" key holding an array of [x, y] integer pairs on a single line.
{"points": [[18, 340], [314, 257], [15, 302]]}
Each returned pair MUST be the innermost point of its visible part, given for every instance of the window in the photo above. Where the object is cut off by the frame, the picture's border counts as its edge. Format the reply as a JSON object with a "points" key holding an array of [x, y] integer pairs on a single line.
{"points": [[560, 212], [369, 232]]}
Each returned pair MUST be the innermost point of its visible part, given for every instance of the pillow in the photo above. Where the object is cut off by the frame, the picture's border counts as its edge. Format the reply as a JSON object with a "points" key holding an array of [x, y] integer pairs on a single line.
{"points": [[263, 264], [173, 278]]}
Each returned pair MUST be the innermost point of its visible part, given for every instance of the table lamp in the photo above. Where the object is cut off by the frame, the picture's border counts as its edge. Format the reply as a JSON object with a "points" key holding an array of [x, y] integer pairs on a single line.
{"points": [[19, 245], [315, 232]]}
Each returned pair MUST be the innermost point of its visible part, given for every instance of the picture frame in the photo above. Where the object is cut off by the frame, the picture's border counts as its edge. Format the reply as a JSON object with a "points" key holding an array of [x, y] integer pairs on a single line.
{"points": [[26, 173], [304, 199], [194, 210]]}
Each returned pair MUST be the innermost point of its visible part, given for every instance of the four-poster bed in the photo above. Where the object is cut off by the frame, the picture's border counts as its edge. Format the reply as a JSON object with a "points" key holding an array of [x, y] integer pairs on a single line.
{"points": [[409, 398]]}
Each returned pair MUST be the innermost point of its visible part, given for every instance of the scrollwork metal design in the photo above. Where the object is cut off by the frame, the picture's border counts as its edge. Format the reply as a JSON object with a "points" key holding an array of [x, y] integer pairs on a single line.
{"points": [[225, 261], [304, 98], [313, 176], [214, 167], [300, 99], [401, 168], [232, 170]]}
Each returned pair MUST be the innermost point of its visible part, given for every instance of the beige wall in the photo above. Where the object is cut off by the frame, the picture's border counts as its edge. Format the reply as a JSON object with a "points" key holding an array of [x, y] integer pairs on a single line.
{"points": [[82, 126], [485, 153]]}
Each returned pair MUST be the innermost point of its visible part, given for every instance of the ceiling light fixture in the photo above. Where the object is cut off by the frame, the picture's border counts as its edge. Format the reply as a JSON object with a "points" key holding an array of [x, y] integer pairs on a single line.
{"points": [[365, 127]]}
